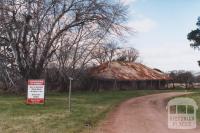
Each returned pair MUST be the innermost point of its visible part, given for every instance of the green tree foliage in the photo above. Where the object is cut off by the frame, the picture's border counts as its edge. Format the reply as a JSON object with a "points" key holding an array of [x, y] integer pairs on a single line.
{"points": [[194, 36]]}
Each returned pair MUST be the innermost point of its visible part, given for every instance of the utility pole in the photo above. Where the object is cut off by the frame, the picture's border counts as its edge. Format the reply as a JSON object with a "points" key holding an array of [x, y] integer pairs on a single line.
{"points": [[70, 89]]}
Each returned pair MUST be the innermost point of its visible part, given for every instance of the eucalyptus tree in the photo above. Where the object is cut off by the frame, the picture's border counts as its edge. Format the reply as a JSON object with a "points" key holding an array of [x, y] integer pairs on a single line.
{"points": [[194, 36]]}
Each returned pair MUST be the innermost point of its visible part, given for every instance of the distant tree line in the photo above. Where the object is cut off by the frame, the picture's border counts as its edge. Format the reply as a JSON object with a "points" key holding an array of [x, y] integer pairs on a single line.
{"points": [[184, 77]]}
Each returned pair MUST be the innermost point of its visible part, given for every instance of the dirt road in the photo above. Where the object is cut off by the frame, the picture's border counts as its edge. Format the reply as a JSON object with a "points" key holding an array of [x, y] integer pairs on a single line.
{"points": [[146, 114]]}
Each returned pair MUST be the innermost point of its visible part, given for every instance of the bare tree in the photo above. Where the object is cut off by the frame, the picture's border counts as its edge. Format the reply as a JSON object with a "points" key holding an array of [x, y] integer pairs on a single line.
{"points": [[183, 77], [33, 31], [128, 54], [75, 53], [105, 52]]}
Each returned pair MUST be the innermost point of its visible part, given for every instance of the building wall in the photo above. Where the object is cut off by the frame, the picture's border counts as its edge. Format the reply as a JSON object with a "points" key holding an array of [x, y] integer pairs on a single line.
{"points": [[126, 85]]}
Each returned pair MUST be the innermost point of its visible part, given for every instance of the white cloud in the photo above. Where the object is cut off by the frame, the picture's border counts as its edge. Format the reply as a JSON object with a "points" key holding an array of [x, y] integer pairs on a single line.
{"points": [[127, 2], [142, 25], [171, 56]]}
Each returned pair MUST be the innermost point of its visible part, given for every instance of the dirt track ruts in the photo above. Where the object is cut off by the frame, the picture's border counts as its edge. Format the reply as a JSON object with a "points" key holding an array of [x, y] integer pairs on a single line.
{"points": [[146, 114]]}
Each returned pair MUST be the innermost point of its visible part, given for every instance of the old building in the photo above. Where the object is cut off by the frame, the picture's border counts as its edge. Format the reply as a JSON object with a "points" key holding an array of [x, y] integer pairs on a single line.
{"points": [[126, 75]]}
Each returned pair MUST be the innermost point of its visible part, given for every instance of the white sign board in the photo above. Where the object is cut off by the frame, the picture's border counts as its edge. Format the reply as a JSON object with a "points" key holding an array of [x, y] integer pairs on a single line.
{"points": [[36, 92]]}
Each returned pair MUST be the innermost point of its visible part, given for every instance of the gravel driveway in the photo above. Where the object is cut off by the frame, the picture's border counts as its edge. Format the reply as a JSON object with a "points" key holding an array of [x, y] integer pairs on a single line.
{"points": [[146, 114]]}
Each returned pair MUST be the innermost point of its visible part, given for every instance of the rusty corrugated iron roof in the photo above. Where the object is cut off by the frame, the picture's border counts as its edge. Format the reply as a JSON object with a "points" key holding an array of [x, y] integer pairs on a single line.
{"points": [[126, 71]]}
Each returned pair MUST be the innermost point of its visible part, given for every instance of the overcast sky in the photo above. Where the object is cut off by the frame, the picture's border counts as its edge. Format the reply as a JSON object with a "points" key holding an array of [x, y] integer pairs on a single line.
{"points": [[162, 27]]}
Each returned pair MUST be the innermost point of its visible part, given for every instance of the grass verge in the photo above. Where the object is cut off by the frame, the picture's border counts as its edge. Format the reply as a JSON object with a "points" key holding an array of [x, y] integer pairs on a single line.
{"points": [[88, 109], [196, 97]]}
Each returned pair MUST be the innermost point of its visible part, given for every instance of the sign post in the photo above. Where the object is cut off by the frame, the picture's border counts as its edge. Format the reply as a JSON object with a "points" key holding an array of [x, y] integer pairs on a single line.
{"points": [[70, 89], [36, 92]]}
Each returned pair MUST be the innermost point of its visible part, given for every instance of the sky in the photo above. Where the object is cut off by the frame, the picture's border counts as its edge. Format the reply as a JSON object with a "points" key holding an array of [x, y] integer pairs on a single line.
{"points": [[161, 28]]}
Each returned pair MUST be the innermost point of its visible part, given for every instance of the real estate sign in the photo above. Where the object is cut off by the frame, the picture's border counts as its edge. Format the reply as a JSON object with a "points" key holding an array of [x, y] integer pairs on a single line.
{"points": [[36, 92]]}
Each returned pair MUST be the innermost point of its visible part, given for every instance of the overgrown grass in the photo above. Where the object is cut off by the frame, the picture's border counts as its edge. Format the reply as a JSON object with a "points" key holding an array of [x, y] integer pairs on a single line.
{"points": [[88, 108], [196, 97]]}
